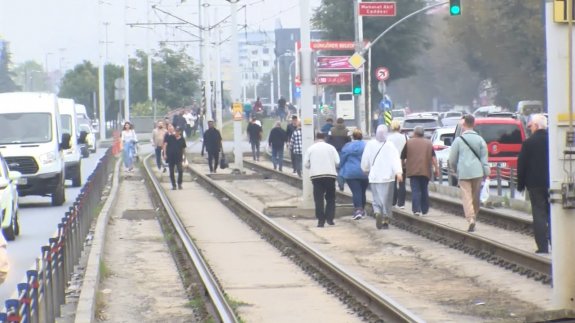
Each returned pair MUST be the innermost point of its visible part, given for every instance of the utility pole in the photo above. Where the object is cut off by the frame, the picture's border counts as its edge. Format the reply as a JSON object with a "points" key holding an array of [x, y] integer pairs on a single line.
{"points": [[307, 91], [559, 37], [218, 83], [204, 58], [236, 87], [101, 82], [359, 101], [149, 52], [126, 66]]}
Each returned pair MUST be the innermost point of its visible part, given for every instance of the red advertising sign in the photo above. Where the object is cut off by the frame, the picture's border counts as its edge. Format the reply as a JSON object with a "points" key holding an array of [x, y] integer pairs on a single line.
{"points": [[333, 79], [333, 63], [331, 45], [379, 9]]}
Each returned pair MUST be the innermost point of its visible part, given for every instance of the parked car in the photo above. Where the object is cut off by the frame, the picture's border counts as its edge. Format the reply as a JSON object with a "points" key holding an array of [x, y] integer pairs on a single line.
{"points": [[451, 114], [504, 137], [428, 122], [9, 200], [450, 121], [438, 136]]}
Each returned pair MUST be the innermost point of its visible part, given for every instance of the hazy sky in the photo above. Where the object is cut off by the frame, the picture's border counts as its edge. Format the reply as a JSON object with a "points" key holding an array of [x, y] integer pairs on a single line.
{"points": [[66, 32]]}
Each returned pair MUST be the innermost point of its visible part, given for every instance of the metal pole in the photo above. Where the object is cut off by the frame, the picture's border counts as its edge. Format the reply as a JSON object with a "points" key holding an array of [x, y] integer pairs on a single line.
{"points": [[236, 88], [219, 103], [126, 66], [560, 166], [368, 94], [290, 83], [306, 105], [359, 47], [206, 62], [272, 99], [278, 77], [149, 52], [101, 82]]}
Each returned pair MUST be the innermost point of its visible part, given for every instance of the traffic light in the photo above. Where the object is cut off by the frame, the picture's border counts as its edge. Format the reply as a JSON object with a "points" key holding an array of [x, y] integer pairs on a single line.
{"points": [[455, 7], [356, 84]]}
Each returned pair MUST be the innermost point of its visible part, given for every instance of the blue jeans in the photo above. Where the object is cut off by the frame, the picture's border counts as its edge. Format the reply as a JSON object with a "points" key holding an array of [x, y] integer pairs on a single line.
{"points": [[255, 150], [128, 154], [278, 157], [358, 186], [419, 194]]}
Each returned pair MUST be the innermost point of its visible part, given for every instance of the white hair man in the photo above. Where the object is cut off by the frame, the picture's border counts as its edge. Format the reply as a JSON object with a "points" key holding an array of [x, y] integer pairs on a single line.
{"points": [[533, 174]]}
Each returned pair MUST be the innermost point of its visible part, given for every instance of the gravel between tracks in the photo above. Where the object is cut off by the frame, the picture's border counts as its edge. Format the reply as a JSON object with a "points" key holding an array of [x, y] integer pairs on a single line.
{"points": [[140, 281], [438, 283]]}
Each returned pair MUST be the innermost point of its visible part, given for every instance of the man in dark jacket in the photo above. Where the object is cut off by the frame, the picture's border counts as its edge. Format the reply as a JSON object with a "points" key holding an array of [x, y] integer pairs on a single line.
{"points": [[254, 131], [533, 174], [212, 143], [338, 135], [277, 140]]}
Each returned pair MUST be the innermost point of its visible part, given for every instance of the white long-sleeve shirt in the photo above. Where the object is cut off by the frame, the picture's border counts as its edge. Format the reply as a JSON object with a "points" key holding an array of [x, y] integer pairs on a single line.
{"points": [[382, 166], [322, 159]]}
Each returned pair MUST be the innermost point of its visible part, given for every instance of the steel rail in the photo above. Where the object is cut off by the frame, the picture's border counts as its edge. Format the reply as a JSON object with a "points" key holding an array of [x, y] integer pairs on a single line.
{"points": [[215, 293], [524, 263], [488, 216], [363, 298]]}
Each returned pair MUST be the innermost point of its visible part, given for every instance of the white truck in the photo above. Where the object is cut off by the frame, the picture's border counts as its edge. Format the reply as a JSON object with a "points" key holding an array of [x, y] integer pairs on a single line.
{"points": [[72, 155], [32, 142]]}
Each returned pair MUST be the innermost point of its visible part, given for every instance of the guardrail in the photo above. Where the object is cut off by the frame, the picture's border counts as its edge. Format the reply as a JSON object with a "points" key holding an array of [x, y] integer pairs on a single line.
{"points": [[499, 176], [40, 296]]}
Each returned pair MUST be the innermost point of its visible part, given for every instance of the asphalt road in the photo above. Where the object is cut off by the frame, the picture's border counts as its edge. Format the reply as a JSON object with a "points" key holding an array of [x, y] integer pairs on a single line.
{"points": [[38, 222]]}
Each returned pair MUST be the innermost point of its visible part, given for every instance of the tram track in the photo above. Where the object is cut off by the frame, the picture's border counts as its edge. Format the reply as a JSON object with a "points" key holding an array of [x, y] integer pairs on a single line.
{"points": [[513, 259], [363, 299]]}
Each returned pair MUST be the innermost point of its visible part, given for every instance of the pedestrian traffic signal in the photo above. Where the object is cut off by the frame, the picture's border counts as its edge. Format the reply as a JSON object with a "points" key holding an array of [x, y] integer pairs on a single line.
{"points": [[356, 84], [455, 7]]}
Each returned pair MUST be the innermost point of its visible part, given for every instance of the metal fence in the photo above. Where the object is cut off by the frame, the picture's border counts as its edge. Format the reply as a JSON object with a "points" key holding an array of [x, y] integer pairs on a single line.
{"points": [[500, 176], [42, 293]]}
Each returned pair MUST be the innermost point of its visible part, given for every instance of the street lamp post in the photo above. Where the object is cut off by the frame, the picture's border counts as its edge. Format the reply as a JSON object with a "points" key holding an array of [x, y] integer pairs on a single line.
{"points": [[287, 53], [290, 82]]}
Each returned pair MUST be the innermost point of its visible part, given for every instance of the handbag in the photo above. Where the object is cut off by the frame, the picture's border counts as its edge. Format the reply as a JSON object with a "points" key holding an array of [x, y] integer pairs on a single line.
{"points": [[223, 161], [185, 162]]}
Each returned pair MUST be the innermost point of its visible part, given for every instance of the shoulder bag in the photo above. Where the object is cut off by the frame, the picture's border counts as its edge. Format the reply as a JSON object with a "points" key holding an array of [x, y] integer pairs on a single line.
{"points": [[472, 150]]}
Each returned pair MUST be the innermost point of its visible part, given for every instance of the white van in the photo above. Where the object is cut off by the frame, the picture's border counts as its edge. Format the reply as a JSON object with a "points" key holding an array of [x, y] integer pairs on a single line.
{"points": [[81, 112], [72, 156], [32, 142]]}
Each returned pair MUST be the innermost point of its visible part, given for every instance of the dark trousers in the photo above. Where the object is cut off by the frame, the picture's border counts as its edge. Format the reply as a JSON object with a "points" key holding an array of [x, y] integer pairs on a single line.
{"points": [[419, 194], [213, 160], [255, 149], [324, 188], [296, 159], [399, 193], [159, 162], [172, 167], [358, 186], [278, 157], [540, 209]]}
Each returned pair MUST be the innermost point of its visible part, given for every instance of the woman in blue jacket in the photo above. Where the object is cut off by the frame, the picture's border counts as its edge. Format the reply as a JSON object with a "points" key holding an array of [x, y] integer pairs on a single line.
{"points": [[350, 170]]}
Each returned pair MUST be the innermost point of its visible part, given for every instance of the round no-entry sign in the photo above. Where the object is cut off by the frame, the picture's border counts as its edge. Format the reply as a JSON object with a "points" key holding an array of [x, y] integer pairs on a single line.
{"points": [[382, 73]]}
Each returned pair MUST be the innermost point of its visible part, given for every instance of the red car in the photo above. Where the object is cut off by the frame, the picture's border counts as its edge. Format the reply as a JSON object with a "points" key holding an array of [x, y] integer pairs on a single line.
{"points": [[504, 137]]}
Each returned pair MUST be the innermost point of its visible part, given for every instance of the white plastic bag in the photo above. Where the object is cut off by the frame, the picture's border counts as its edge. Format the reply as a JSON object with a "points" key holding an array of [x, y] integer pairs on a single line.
{"points": [[484, 196]]}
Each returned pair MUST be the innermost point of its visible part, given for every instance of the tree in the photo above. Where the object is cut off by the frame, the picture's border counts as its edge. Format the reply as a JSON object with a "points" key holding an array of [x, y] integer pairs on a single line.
{"points": [[80, 84], [30, 76], [175, 78], [505, 41], [6, 76]]}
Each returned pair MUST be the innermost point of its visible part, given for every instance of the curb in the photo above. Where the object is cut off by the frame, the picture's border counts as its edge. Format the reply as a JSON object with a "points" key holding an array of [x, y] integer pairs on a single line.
{"points": [[86, 308]]}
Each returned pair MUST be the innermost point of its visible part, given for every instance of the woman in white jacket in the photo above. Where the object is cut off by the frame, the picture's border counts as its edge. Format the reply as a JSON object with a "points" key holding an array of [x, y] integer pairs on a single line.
{"points": [[381, 160]]}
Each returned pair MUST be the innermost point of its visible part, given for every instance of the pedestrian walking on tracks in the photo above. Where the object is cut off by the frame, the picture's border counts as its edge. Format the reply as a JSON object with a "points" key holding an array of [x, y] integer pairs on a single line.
{"points": [[399, 140], [419, 158], [129, 140], [290, 128], [350, 170], [468, 158], [174, 150], [158, 135], [212, 143], [254, 131], [381, 161], [533, 174], [277, 140], [296, 145], [322, 160]]}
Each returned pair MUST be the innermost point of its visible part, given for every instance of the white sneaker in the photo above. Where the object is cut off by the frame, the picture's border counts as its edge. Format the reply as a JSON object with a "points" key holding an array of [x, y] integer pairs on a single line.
{"points": [[417, 213], [402, 207], [357, 216]]}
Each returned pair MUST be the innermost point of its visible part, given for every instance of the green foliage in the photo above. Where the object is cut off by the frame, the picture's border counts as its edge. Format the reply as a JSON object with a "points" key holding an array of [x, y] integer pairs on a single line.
{"points": [[146, 109], [30, 76], [174, 83], [505, 41], [6, 76]]}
